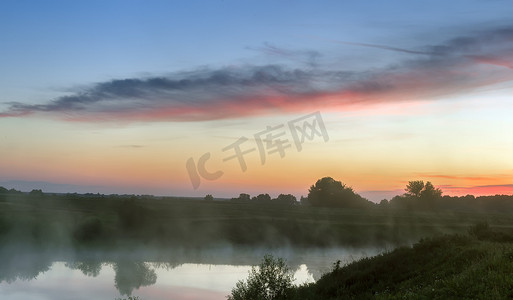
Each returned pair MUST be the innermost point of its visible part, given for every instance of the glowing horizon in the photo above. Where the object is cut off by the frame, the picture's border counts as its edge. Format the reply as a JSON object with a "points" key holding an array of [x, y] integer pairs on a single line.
{"points": [[90, 108]]}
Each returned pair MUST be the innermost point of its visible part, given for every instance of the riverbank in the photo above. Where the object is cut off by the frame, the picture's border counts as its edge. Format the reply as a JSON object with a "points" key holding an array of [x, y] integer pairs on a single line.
{"points": [[477, 265]]}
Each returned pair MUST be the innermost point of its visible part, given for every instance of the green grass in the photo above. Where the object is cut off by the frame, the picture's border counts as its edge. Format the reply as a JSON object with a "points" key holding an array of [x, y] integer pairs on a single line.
{"points": [[477, 266]]}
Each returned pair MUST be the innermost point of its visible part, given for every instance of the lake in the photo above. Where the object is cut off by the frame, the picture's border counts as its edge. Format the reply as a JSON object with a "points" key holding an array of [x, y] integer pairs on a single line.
{"points": [[153, 274]]}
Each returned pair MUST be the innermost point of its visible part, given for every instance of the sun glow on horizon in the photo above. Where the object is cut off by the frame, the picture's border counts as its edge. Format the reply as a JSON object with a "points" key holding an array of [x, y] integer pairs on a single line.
{"points": [[399, 102]]}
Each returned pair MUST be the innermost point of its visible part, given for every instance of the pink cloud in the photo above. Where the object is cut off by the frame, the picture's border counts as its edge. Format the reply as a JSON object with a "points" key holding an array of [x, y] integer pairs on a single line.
{"points": [[457, 66], [483, 190]]}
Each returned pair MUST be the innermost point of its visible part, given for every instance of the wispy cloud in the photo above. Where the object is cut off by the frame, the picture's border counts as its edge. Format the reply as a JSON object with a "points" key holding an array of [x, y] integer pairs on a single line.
{"points": [[479, 190], [308, 57], [130, 146], [383, 47], [458, 65], [466, 178]]}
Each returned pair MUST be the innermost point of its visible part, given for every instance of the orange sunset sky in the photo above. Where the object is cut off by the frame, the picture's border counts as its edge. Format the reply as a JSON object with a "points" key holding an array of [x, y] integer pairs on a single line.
{"points": [[117, 99]]}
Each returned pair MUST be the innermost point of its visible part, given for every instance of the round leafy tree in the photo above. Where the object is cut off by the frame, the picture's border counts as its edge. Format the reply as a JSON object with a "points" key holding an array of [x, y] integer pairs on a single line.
{"points": [[271, 281]]}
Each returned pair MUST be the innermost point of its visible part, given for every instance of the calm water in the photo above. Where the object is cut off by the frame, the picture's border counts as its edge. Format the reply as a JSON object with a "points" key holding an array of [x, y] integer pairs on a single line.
{"points": [[175, 274]]}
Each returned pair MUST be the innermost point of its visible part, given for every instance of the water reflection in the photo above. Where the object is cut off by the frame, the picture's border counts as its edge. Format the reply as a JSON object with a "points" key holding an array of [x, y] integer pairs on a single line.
{"points": [[88, 268], [133, 275], [152, 272], [22, 266]]}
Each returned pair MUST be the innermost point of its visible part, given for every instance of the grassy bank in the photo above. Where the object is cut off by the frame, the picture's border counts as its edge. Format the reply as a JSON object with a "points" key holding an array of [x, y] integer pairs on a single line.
{"points": [[478, 265]]}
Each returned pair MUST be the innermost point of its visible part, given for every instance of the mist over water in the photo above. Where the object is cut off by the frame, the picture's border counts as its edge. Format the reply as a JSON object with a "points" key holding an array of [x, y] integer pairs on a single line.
{"points": [[155, 274], [110, 246]]}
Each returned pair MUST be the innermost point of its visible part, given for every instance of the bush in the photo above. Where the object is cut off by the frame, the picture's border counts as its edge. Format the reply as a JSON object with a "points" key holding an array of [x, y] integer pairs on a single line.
{"points": [[479, 229], [272, 281]]}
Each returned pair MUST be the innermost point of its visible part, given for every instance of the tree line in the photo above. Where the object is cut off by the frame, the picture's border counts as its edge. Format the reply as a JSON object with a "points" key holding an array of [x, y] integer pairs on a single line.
{"points": [[418, 195], [328, 192]]}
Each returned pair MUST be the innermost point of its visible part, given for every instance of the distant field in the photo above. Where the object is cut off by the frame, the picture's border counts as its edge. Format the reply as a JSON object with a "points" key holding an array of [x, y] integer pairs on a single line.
{"points": [[111, 221]]}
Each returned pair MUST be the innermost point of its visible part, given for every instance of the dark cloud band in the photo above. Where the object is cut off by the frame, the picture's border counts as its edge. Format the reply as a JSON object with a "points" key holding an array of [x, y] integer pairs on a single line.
{"points": [[456, 66]]}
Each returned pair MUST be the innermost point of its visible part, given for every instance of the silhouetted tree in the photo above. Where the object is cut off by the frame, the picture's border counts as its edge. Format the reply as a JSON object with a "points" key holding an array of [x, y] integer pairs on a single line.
{"points": [[36, 193], [242, 197], [209, 198], [383, 203], [330, 192], [13, 191], [262, 198], [430, 192], [418, 196], [285, 199], [414, 188]]}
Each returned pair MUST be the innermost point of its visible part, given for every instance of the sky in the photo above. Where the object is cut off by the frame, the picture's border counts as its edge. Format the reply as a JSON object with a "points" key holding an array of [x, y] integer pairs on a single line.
{"points": [[189, 98]]}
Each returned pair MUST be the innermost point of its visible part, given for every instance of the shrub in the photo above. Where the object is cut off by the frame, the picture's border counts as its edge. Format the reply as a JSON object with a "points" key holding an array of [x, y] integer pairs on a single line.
{"points": [[479, 229], [272, 281]]}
